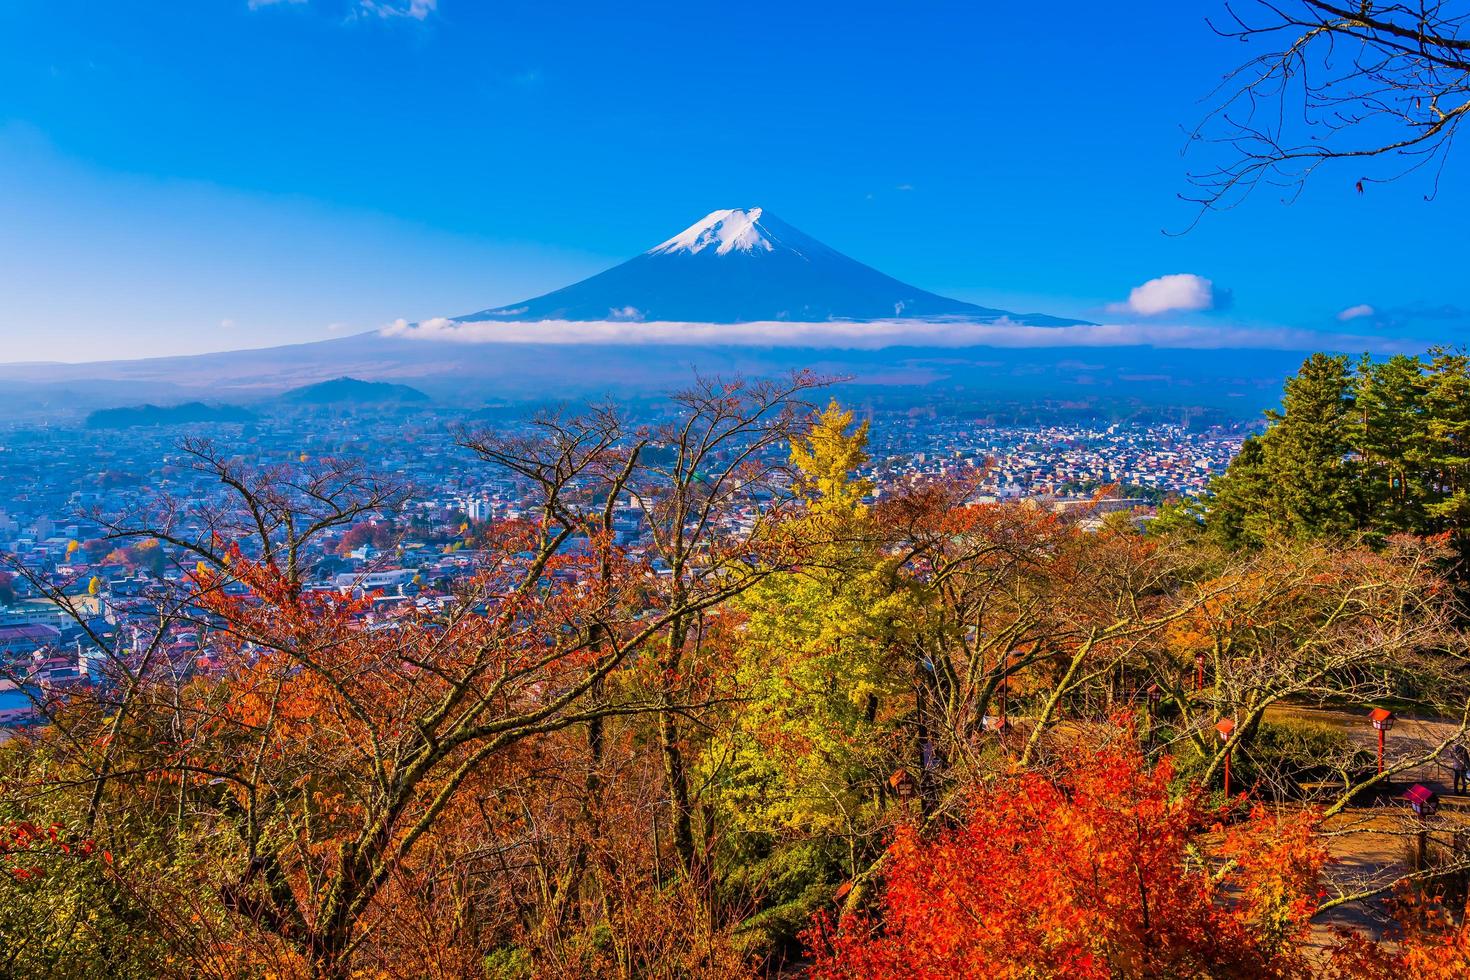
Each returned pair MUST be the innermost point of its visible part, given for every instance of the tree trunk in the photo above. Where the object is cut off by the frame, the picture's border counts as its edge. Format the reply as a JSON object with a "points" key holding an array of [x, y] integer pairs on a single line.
{"points": [[676, 776]]}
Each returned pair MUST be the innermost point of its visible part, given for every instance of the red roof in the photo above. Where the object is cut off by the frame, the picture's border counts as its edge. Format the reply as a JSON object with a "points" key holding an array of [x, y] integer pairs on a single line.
{"points": [[1419, 794], [28, 632]]}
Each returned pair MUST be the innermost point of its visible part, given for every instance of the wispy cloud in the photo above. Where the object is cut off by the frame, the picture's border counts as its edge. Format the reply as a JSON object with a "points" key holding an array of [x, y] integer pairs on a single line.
{"points": [[383, 9], [851, 335], [1400, 317], [415, 9], [1181, 292]]}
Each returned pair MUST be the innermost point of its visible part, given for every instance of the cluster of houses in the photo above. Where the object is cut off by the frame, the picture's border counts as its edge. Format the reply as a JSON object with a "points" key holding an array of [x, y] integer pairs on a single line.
{"points": [[99, 598]]}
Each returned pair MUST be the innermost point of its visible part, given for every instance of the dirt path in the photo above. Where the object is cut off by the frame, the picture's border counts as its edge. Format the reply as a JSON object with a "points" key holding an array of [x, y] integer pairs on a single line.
{"points": [[1409, 738], [1372, 845]]}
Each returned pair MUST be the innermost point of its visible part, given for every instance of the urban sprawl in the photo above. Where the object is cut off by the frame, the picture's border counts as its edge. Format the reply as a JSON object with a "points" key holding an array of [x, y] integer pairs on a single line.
{"points": [[61, 487]]}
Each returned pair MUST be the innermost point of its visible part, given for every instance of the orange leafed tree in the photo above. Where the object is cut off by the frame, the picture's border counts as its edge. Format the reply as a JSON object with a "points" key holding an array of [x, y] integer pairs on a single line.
{"points": [[1086, 873], [1429, 944]]}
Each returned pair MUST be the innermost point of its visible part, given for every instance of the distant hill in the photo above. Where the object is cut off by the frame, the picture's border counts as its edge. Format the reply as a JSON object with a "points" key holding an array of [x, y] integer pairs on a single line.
{"points": [[351, 391], [186, 414]]}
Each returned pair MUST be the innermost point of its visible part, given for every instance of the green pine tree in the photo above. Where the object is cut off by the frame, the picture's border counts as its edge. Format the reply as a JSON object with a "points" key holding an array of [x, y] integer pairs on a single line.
{"points": [[1389, 438], [1299, 479], [1446, 454], [1238, 514]]}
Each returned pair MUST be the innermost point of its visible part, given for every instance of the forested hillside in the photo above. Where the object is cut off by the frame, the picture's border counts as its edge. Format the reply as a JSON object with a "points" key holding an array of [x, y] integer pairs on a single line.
{"points": [[1378, 449], [819, 726]]}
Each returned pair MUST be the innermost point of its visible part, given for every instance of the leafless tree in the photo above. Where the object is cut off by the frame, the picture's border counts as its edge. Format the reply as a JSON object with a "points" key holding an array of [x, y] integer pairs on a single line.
{"points": [[1385, 83], [709, 485]]}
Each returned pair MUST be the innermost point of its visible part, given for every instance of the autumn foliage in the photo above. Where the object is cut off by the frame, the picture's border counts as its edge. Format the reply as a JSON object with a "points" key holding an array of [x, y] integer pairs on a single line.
{"points": [[595, 758], [1089, 871]]}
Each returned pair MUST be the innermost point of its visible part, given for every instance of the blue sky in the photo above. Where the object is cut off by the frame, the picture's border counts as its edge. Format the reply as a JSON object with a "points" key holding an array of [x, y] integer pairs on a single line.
{"points": [[190, 175]]}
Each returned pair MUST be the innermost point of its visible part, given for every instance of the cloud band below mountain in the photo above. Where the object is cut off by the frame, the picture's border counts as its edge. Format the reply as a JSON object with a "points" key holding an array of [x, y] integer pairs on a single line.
{"points": [[873, 335]]}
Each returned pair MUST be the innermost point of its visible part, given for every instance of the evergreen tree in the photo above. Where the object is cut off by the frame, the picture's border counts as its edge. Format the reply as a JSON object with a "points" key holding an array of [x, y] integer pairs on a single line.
{"points": [[1238, 514], [1313, 481], [1446, 453], [1300, 479], [1389, 439]]}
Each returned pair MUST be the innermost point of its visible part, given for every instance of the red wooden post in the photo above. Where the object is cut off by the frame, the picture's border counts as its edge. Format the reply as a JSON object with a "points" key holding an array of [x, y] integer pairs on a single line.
{"points": [[1199, 672], [1382, 720], [1425, 804], [1226, 727]]}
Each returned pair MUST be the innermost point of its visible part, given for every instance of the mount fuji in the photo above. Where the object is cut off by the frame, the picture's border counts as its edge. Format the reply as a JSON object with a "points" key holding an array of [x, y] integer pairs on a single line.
{"points": [[744, 266], [737, 294]]}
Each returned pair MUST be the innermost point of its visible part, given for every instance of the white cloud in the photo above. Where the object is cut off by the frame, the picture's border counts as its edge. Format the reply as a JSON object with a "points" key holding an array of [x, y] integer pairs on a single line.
{"points": [[874, 335], [227, 324], [1180, 292], [438, 327], [1354, 312], [385, 9], [416, 9]]}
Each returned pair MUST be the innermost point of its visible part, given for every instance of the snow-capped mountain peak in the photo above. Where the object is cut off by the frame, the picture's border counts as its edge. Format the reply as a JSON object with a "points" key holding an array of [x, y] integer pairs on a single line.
{"points": [[731, 230], [743, 265]]}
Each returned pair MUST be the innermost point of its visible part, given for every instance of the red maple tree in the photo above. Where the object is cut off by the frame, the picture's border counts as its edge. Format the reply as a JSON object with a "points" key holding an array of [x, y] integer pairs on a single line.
{"points": [[1093, 871]]}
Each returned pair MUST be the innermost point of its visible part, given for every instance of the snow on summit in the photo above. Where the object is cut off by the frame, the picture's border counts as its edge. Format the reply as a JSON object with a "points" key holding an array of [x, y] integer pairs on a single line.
{"points": [[726, 231]]}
